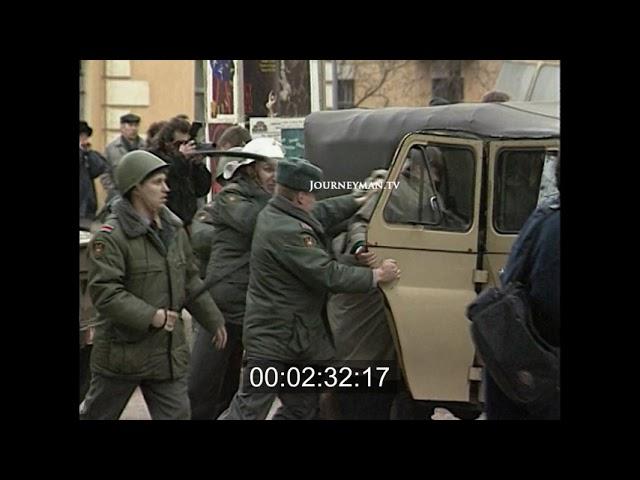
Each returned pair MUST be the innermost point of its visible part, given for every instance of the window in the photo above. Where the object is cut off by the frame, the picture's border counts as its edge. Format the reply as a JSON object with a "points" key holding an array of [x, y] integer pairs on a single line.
{"points": [[435, 189], [449, 88], [517, 185], [345, 94], [515, 79], [547, 86]]}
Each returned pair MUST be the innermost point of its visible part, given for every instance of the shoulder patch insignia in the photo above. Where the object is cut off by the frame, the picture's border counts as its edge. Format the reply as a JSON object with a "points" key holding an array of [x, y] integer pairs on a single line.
{"points": [[309, 241], [305, 226], [98, 248], [106, 228]]}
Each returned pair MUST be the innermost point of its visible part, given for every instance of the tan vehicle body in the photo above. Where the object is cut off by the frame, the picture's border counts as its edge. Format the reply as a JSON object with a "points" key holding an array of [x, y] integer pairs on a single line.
{"points": [[442, 271]]}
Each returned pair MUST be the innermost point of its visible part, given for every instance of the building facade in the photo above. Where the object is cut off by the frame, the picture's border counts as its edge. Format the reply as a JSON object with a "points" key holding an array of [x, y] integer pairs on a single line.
{"points": [[413, 83], [153, 89]]}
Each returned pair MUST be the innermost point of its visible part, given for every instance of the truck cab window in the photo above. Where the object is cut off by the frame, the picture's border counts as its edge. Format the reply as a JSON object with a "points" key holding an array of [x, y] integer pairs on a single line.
{"points": [[517, 186], [434, 189]]}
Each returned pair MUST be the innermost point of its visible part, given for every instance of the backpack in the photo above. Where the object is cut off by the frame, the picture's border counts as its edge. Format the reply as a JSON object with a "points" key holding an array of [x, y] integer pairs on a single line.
{"points": [[522, 363]]}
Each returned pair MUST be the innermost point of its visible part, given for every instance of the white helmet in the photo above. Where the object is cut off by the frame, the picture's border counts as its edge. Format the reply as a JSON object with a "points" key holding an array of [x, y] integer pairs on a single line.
{"points": [[267, 147]]}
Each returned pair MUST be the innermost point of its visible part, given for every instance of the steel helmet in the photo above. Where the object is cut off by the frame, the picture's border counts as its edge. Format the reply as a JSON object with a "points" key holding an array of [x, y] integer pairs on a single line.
{"points": [[134, 168]]}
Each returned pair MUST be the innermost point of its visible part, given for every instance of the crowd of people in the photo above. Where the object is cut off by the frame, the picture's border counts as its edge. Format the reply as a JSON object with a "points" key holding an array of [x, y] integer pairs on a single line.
{"points": [[267, 278]]}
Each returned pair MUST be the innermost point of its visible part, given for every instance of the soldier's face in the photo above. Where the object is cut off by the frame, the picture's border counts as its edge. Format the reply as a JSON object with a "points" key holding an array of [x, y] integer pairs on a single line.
{"points": [[266, 173], [129, 130], [306, 201], [153, 192]]}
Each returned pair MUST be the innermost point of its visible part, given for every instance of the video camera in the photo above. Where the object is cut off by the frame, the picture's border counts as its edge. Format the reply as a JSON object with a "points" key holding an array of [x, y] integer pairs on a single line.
{"points": [[193, 135]]}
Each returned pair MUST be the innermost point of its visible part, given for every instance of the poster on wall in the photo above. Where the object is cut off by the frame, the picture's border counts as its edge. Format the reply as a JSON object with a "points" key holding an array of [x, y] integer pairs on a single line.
{"points": [[288, 131], [222, 72], [277, 88], [272, 126]]}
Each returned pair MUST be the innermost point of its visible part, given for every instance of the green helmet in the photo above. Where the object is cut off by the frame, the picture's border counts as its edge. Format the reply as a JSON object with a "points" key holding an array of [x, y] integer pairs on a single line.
{"points": [[134, 167]]}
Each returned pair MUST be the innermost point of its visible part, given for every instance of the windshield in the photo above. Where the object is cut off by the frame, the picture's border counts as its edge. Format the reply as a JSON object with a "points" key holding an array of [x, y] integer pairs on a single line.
{"points": [[515, 79], [547, 86]]}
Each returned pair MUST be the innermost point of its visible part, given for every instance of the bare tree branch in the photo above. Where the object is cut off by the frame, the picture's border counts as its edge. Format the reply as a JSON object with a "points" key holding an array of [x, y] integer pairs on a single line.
{"points": [[385, 69]]}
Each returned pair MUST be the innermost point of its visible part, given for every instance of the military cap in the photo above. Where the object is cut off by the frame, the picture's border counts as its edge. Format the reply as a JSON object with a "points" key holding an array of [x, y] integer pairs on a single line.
{"points": [[85, 128], [297, 174], [130, 118]]}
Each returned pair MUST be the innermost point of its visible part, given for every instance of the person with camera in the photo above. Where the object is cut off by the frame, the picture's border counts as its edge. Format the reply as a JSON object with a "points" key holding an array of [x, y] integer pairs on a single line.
{"points": [[188, 177]]}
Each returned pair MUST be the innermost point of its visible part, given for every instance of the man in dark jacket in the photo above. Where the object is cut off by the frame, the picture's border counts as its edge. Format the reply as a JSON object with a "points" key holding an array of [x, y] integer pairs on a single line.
{"points": [[540, 237], [188, 176], [359, 321], [202, 228], [92, 165], [292, 272]]}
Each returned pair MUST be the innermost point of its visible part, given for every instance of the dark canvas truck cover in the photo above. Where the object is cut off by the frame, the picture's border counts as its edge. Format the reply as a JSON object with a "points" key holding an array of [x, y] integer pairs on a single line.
{"points": [[349, 144]]}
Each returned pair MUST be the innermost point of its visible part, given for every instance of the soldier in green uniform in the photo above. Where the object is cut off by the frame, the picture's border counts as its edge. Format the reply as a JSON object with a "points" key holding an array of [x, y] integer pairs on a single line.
{"points": [[292, 272], [202, 228], [141, 275], [233, 216]]}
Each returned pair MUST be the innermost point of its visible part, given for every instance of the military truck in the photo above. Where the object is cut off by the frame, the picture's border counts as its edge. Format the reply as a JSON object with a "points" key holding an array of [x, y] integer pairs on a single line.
{"points": [[466, 177], [530, 80]]}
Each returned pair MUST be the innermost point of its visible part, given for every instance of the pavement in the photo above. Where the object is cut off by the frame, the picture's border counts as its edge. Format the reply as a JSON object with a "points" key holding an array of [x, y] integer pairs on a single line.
{"points": [[137, 409]]}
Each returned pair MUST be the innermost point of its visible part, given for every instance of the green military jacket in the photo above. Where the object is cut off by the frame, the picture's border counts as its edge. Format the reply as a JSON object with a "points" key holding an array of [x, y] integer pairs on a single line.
{"points": [[133, 272], [234, 217], [292, 272], [202, 232]]}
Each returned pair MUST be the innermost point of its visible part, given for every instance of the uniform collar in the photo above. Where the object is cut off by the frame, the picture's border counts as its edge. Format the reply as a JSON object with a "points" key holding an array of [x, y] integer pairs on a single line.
{"points": [[134, 225], [287, 207]]}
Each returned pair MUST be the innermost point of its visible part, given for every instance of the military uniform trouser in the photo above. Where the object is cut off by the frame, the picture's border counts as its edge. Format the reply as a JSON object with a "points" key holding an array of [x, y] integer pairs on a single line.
{"points": [[214, 375], [247, 404], [107, 397], [85, 370]]}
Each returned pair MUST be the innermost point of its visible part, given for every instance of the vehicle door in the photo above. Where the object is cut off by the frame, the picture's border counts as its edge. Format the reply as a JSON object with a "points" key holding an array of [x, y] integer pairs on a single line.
{"points": [[521, 175], [428, 220]]}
